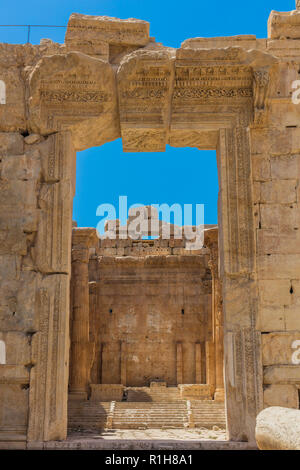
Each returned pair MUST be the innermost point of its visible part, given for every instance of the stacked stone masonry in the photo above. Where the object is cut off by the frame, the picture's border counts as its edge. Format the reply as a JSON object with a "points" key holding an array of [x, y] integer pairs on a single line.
{"points": [[111, 80]]}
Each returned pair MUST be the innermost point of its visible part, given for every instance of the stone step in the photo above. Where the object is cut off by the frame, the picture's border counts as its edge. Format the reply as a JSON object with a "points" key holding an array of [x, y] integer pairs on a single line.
{"points": [[153, 415]]}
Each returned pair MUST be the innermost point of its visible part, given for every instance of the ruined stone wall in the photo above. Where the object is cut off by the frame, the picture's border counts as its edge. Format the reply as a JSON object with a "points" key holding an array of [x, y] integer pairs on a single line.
{"points": [[148, 314], [276, 174], [34, 273]]}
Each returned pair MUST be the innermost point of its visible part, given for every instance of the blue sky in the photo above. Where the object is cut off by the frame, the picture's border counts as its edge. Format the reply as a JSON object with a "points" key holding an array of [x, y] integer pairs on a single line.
{"points": [[184, 176]]}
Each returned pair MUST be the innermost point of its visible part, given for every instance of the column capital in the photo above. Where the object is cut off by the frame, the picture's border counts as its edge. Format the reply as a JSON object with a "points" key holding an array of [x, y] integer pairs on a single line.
{"points": [[84, 237]]}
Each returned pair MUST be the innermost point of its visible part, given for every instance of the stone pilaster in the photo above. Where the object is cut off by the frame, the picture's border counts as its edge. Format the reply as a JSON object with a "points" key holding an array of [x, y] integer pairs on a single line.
{"points": [[211, 239], [82, 349]]}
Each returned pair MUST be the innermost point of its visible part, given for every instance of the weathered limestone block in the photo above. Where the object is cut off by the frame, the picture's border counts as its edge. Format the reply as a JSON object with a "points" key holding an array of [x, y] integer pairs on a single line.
{"points": [[281, 218], [11, 143], [11, 373], [106, 392], [246, 41], [239, 347], [18, 195], [284, 25], [282, 76], [285, 167], [282, 374], [58, 158], [281, 395], [291, 315], [270, 319], [98, 35], [271, 242], [10, 267], [16, 232], [279, 191], [50, 360], [295, 292], [287, 49], [195, 391], [235, 292], [77, 92], [275, 141], [278, 348], [278, 428], [20, 173], [275, 292], [144, 85], [14, 408]]}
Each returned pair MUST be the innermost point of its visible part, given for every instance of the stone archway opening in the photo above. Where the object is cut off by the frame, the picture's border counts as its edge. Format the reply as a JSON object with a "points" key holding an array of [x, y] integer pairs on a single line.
{"points": [[150, 317]]}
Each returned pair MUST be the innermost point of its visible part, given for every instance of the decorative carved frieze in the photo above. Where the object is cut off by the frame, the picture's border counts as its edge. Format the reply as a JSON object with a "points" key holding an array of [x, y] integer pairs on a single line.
{"points": [[76, 92]]}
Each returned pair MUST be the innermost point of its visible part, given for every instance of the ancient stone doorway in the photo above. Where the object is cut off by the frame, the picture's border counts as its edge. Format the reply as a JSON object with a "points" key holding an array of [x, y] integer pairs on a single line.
{"points": [[154, 317], [171, 307]]}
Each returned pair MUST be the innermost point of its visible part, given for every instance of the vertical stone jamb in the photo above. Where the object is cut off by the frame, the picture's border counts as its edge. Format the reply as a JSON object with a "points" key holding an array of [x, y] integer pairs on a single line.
{"points": [[123, 360], [210, 366], [82, 350], [237, 260]]}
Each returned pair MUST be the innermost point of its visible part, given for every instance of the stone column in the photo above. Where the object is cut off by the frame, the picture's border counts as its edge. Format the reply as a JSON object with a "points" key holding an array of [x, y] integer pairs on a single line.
{"points": [[297, 4], [81, 347], [211, 240], [210, 366]]}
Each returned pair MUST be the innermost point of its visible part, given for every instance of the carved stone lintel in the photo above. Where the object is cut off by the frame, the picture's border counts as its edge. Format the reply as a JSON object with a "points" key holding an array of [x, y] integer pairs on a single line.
{"points": [[260, 91]]}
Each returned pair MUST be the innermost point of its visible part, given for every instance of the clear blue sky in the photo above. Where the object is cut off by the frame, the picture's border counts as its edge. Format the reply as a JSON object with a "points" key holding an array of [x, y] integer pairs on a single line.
{"points": [[179, 175]]}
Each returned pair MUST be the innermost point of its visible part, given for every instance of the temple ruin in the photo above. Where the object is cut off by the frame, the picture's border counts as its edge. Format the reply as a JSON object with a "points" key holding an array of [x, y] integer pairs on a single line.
{"points": [[90, 328]]}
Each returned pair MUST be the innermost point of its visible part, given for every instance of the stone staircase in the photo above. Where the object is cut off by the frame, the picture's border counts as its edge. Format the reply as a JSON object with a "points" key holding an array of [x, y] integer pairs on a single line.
{"points": [[87, 416], [207, 414], [92, 416]]}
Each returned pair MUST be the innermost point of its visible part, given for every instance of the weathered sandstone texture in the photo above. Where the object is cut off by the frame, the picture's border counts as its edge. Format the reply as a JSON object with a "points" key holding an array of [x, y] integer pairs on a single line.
{"points": [[278, 428], [236, 95]]}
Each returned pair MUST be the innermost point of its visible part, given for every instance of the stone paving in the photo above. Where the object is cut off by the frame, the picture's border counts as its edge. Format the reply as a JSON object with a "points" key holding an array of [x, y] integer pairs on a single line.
{"points": [[152, 434]]}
